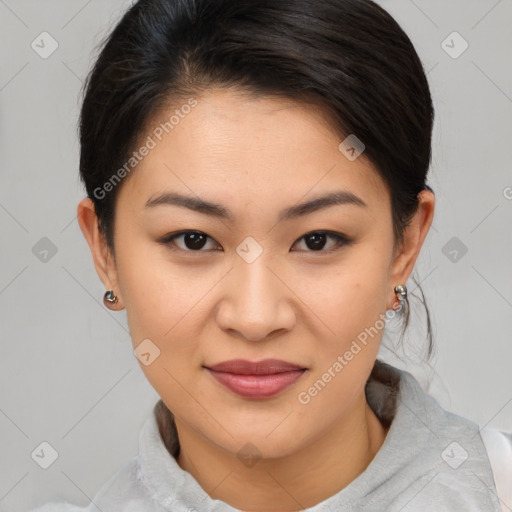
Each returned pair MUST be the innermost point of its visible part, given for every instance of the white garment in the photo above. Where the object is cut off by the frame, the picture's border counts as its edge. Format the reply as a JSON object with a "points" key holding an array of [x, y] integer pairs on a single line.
{"points": [[499, 449]]}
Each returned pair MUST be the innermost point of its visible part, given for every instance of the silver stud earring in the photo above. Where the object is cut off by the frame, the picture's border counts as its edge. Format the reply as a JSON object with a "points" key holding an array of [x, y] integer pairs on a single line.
{"points": [[109, 298], [401, 292]]}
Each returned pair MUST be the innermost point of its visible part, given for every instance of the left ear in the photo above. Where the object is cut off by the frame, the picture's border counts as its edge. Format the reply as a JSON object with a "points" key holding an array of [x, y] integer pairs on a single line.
{"points": [[414, 236]]}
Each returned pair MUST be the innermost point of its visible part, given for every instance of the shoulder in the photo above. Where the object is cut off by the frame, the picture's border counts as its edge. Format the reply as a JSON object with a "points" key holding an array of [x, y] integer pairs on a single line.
{"points": [[498, 445], [123, 489]]}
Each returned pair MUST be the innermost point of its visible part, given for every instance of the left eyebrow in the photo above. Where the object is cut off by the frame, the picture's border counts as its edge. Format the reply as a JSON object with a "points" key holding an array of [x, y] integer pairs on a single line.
{"points": [[340, 197]]}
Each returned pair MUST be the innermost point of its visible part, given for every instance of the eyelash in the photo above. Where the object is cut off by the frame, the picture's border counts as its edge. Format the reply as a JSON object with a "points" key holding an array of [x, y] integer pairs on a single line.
{"points": [[340, 239]]}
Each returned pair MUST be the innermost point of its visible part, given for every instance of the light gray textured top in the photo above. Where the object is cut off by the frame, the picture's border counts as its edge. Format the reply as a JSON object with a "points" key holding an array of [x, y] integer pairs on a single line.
{"points": [[430, 460]]}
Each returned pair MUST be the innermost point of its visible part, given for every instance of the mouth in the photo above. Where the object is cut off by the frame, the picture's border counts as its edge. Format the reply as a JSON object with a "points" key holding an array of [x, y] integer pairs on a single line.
{"points": [[250, 379]]}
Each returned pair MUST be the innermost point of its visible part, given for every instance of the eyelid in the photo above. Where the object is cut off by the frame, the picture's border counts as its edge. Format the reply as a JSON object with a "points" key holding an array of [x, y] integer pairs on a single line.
{"points": [[168, 240], [341, 241]]}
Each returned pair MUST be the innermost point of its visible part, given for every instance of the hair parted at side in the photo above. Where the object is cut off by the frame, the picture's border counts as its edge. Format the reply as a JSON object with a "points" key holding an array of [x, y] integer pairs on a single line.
{"points": [[348, 57]]}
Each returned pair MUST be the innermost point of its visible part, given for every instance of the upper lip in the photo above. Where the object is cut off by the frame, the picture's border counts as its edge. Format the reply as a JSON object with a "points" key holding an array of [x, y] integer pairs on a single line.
{"points": [[264, 367]]}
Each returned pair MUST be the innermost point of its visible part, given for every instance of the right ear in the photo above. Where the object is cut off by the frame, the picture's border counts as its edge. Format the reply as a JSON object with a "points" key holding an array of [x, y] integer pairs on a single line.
{"points": [[102, 256]]}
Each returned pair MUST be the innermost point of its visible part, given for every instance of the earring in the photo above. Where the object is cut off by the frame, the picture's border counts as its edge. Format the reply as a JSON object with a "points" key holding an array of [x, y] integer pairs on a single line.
{"points": [[401, 292], [109, 298]]}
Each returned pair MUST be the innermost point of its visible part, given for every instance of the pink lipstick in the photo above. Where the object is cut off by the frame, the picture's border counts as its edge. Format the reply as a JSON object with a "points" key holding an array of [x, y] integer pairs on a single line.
{"points": [[262, 379]]}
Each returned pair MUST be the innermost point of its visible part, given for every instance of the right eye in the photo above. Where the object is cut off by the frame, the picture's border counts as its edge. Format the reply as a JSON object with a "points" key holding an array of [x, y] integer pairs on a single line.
{"points": [[188, 241]]}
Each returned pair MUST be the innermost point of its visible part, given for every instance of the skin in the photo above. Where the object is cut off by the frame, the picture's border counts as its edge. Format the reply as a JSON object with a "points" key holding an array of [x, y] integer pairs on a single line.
{"points": [[257, 156]]}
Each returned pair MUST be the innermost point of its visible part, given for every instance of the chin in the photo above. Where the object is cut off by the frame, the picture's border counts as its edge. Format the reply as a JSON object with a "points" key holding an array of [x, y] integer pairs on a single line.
{"points": [[254, 444]]}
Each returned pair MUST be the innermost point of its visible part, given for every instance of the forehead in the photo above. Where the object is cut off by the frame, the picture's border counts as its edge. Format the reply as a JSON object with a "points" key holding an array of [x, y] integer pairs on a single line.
{"points": [[237, 147]]}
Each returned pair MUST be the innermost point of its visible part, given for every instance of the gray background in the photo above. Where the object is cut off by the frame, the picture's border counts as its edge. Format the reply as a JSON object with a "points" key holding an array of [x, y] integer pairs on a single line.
{"points": [[68, 374]]}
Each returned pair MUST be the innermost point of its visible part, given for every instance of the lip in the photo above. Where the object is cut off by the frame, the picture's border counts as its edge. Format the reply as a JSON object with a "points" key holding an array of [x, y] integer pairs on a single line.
{"points": [[264, 367], [256, 379]]}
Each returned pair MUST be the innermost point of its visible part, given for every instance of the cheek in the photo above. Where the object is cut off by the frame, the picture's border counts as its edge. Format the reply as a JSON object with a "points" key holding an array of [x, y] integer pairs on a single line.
{"points": [[164, 323], [170, 305], [162, 304], [166, 302], [337, 306], [157, 294], [346, 298], [351, 304]]}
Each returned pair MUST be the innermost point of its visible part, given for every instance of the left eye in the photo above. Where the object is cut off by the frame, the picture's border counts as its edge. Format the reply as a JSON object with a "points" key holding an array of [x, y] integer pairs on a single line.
{"points": [[316, 241]]}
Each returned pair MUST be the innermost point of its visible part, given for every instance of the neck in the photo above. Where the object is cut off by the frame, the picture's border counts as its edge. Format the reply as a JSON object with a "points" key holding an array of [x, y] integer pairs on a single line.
{"points": [[297, 481]]}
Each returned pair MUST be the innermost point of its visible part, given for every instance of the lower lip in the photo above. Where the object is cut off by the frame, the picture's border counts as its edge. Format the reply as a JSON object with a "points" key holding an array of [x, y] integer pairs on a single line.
{"points": [[257, 386]]}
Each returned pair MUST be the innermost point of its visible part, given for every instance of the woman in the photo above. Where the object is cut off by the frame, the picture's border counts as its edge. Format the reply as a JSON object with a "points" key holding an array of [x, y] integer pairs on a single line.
{"points": [[256, 200]]}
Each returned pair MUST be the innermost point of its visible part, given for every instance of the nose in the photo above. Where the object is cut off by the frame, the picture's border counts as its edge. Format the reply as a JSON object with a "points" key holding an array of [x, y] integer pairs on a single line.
{"points": [[257, 302]]}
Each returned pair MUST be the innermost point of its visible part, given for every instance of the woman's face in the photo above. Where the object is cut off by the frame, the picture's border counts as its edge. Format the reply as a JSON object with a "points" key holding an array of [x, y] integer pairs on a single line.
{"points": [[255, 286]]}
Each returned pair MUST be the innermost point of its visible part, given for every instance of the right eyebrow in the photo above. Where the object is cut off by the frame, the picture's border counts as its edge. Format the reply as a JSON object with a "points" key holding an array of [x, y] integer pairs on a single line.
{"points": [[192, 203]]}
